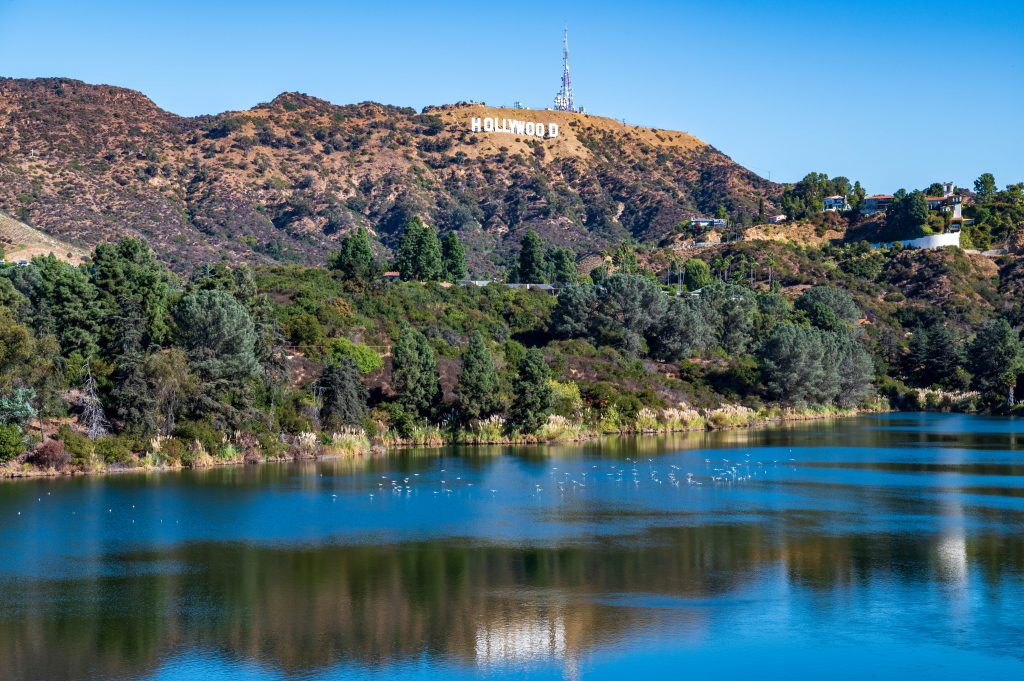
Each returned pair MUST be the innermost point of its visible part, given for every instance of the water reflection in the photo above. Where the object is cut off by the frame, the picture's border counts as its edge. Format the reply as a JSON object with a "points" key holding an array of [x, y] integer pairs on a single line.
{"points": [[313, 608], [296, 570]]}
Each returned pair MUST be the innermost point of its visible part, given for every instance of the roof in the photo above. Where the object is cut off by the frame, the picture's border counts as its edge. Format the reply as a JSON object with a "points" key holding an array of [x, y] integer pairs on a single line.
{"points": [[878, 196], [392, 274], [837, 196]]}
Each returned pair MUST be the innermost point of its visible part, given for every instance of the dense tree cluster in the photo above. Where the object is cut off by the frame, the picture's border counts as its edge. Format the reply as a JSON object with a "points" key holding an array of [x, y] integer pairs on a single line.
{"points": [[119, 350]]}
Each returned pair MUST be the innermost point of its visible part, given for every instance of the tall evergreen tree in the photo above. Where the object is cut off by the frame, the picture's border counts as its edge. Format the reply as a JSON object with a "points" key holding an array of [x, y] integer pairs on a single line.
{"points": [[453, 257], [132, 395], [532, 394], [419, 253], [414, 374], [532, 267], [355, 260], [342, 393], [561, 265], [479, 385], [128, 275], [996, 356]]}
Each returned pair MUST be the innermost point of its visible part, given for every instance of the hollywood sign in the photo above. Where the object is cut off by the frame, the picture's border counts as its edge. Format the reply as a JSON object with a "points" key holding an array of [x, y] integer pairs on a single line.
{"points": [[514, 127]]}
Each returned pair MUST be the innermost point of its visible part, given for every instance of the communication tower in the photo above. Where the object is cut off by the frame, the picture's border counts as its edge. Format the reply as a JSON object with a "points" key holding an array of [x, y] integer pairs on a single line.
{"points": [[564, 100]]}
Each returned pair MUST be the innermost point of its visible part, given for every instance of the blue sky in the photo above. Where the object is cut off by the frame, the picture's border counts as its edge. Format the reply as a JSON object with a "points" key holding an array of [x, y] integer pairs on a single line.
{"points": [[891, 93]]}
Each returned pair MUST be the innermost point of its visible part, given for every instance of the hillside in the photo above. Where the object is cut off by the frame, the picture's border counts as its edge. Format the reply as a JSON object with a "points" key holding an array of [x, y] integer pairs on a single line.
{"points": [[283, 180], [21, 242]]}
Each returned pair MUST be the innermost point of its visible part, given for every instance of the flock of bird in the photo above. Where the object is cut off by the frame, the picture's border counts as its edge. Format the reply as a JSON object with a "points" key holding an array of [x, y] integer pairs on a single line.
{"points": [[629, 473], [632, 472]]}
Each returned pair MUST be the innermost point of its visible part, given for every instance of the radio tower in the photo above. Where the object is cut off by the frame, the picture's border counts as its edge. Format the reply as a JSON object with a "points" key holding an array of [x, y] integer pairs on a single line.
{"points": [[563, 100]]}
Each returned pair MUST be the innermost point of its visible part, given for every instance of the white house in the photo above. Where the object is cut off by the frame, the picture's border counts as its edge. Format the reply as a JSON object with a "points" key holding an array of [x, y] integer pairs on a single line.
{"points": [[835, 203], [708, 222]]}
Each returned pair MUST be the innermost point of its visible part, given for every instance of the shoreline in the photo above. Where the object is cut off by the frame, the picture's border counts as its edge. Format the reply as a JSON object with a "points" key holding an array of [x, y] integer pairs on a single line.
{"points": [[379, 449]]}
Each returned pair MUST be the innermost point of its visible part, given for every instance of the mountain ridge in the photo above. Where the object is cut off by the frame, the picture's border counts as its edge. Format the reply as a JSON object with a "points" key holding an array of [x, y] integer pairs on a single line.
{"points": [[283, 180]]}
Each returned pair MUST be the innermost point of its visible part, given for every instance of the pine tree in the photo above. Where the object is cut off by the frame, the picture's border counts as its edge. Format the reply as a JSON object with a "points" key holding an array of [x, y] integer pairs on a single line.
{"points": [[342, 394], [132, 395], [355, 260], [453, 257], [561, 265], [479, 385], [996, 356], [419, 253], [532, 267], [532, 395], [414, 375]]}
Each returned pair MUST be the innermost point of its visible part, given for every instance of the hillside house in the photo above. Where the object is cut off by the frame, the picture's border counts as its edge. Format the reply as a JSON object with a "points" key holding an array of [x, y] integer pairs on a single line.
{"points": [[947, 203], [835, 204], [709, 223], [776, 219], [876, 203]]}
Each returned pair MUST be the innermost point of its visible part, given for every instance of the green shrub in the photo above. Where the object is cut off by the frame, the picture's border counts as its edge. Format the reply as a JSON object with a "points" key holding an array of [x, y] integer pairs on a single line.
{"points": [[366, 359], [202, 432], [11, 442], [77, 445], [115, 449]]}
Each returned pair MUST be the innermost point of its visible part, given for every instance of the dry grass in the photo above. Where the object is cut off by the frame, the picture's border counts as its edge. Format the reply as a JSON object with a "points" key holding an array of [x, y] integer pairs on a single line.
{"points": [[21, 242]]}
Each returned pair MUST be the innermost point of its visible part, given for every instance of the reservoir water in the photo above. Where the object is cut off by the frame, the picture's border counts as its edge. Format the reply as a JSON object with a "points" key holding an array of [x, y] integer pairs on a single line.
{"points": [[883, 547]]}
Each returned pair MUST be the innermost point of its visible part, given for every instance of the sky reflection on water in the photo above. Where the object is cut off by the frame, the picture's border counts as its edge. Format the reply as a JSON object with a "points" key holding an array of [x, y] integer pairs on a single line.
{"points": [[887, 545]]}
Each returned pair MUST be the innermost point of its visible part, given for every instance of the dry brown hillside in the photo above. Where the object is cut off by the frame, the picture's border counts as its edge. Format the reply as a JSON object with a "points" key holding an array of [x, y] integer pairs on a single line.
{"points": [[21, 242], [283, 180]]}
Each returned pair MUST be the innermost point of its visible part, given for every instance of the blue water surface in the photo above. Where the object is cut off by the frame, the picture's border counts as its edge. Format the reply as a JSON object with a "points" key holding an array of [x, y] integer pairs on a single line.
{"points": [[885, 545]]}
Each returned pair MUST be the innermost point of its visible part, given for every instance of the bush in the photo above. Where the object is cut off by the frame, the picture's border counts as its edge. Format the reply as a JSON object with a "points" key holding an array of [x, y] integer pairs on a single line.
{"points": [[11, 442], [51, 454], [78, 446], [115, 449], [364, 357], [202, 432]]}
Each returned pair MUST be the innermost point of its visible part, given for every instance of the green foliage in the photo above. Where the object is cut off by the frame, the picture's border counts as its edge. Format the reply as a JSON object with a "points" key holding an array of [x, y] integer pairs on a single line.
{"points": [[624, 259], [985, 186], [116, 449], [806, 197], [532, 395], [63, 302], [801, 365], [479, 388], [342, 395], [996, 357], [77, 445], [681, 332], [936, 357], [16, 406], [419, 253], [906, 217], [365, 358], [728, 311], [354, 260], [203, 432], [217, 333], [12, 442], [453, 258], [414, 374], [130, 280], [561, 265], [532, 267], [829, 308], [696, 274]]}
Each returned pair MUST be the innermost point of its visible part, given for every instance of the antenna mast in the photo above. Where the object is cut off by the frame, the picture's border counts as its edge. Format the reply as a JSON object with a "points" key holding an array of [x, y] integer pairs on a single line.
{"points": [[564, 100]]}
